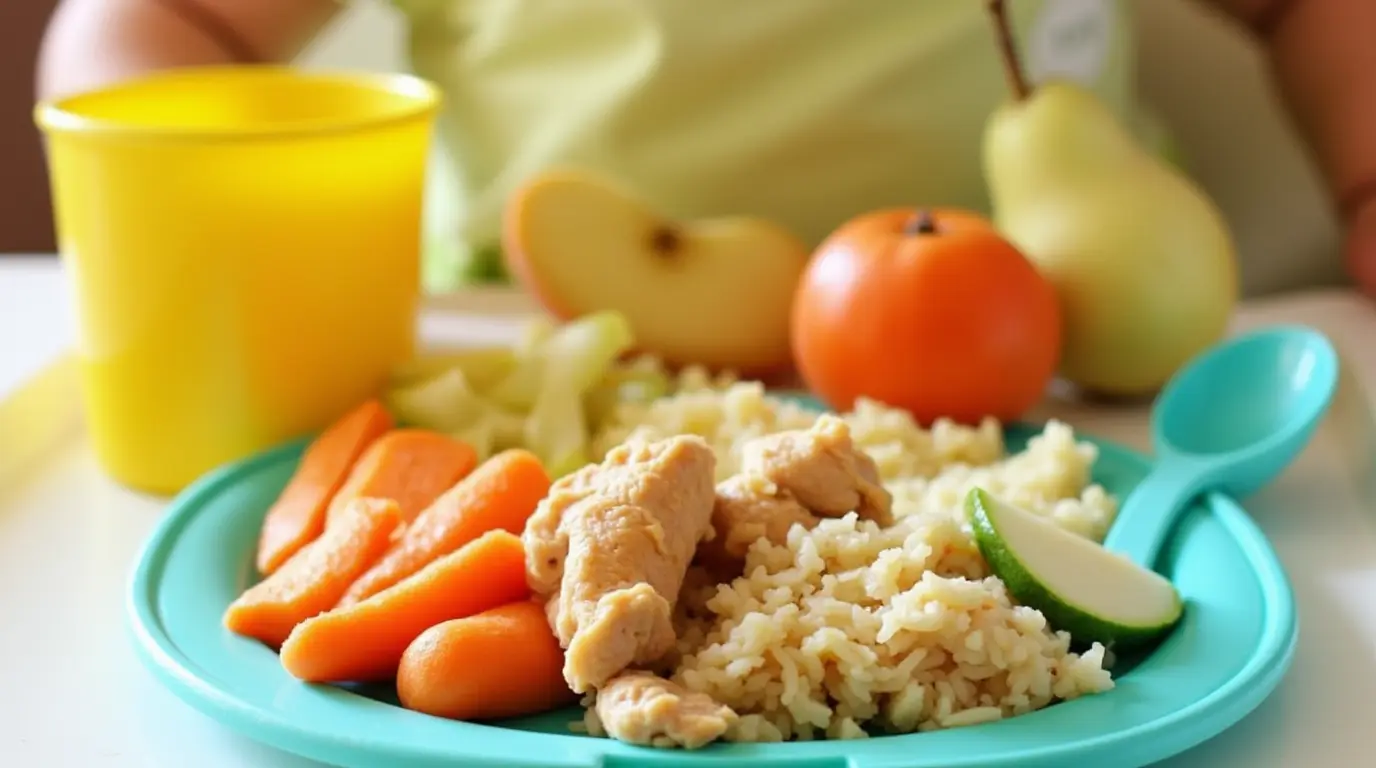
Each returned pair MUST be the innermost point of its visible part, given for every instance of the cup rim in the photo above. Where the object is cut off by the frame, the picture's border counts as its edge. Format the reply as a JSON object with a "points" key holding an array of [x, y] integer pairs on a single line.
{"points": [[61, 116]]}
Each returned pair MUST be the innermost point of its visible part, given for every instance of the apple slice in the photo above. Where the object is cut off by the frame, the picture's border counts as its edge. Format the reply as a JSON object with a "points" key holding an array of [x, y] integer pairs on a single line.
{"points": [[715, 292]]}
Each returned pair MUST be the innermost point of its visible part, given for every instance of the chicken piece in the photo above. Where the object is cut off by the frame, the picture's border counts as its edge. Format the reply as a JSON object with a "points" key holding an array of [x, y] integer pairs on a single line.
{"points": [[545, 544], [618, 476], [622, 550], [641, 708], [749, 508], [822, 469]]}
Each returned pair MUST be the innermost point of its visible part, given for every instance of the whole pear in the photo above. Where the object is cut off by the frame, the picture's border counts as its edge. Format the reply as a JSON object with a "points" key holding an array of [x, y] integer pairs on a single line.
{"points": [[1141, 258]]}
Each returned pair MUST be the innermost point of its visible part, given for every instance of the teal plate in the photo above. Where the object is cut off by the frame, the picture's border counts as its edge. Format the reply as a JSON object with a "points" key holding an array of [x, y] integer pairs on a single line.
{"points": [[1233, 646]]}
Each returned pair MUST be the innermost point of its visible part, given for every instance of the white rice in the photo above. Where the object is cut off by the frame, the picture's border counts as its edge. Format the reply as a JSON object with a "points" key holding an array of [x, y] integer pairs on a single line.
{"points": [[851, 628]]}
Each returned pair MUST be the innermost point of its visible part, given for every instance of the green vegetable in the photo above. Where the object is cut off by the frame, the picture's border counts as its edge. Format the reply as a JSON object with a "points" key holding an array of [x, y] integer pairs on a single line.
{"points": [[447, 403], [535, 395], [636, 382], [574, 359], [518, 388], [1081, 588], [481, 367]]}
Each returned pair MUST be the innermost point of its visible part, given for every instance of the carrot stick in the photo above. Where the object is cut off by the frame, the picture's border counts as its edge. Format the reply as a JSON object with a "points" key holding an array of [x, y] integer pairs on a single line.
{"points": [[411, 466], [499, 495], [298, 515], [312, 580], [504, 662], [364, 642]]}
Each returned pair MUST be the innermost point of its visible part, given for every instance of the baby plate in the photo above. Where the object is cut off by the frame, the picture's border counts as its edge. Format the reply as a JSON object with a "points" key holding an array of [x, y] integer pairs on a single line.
{"points": [[1234, 644]]}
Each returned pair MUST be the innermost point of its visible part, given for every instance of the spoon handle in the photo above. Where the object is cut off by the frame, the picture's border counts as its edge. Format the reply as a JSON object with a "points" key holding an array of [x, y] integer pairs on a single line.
{"points": [[1150, 512]]}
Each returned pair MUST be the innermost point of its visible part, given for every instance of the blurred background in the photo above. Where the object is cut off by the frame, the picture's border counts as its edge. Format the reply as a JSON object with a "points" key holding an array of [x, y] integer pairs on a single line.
{"points": [[1205, 79]]}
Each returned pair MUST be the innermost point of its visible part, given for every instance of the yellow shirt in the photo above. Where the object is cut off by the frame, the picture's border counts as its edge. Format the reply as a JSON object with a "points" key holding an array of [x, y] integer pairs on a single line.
{"points": [[805, 111]]}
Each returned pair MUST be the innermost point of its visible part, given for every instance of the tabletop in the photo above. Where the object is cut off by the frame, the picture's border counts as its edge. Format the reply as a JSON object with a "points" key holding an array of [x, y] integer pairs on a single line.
{"points": [[77, 695]]}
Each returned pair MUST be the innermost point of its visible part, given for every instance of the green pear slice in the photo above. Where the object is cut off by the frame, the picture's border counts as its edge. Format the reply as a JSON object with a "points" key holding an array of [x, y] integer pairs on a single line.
{"points": [[1086, 590]]}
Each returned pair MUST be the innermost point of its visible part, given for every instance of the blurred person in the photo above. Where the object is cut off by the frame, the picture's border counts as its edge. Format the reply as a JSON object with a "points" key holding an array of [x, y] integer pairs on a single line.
{"points": [[804, 111]]}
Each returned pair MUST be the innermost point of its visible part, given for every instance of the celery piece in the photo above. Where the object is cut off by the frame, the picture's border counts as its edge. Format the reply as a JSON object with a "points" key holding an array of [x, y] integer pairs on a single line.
{"points": [[479, 435], [536, 331], [632, 382], [444, 403], [574, 359], [518, 388], [482, 367]]}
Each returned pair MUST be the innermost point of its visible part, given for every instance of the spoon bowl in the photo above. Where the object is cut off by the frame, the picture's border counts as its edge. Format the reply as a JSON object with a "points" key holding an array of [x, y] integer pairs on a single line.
{"points": [[1248, 406], [1229, 421]]}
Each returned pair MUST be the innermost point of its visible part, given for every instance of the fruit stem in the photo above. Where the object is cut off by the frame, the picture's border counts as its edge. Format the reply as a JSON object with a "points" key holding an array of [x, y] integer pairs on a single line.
{"points": [[1012, 65], [921, 224]]}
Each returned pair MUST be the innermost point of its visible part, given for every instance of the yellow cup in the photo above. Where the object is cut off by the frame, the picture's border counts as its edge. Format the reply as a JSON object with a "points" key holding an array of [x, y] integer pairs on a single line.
{"points": [[243, 245]]}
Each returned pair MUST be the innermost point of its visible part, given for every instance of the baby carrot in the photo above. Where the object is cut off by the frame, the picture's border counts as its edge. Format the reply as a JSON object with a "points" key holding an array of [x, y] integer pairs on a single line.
{"points": [[411, 466], [499, 495], [504, 662], [312, 580], [298, 515], [364, 642]]}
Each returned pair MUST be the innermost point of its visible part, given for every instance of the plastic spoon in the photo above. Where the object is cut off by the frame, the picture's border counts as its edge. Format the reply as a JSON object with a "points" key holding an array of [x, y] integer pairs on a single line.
{"points": [[1230, 421]]}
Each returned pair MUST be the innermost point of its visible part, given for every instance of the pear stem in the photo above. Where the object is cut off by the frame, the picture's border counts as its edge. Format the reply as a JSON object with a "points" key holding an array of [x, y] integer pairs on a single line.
{"points": [[1012, 64], [921, 224]]}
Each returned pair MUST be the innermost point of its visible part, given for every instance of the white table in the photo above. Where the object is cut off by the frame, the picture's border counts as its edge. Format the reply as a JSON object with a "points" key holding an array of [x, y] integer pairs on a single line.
{"points": [[76, 696]]}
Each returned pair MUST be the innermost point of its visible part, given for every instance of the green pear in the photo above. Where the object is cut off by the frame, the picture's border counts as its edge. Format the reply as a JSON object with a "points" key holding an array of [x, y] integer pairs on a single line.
{"points": [[1141, 258]]}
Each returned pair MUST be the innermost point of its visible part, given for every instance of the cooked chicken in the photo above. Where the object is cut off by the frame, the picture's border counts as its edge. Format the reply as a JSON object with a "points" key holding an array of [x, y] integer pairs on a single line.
{"points": [[546, 545], [640, 708], [749, 508], [822, 469], [620, 537]]}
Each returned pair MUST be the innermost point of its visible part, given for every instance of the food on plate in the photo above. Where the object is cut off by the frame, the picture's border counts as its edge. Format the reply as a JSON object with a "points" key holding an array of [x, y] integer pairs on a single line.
{"points": [[482, 366], [298, 514], [1082, 588], [540, 402], [787, 478], [313, 579], [1141, 258], [569, 367], [714, 292], [641, 379], [412, 467], [499, 495], [821, 468], [643, 708], [853, 628], [931, 311], [448, 403], [748, 508], [608, 550], [364, 642], [523, 673], [701, 560]]}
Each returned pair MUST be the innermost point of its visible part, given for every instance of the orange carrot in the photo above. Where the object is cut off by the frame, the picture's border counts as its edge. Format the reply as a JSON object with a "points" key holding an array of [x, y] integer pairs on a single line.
{"points": [[410, 466], [499, 495], [504, 662], [364, 642], [298, 515], [312, 580]]}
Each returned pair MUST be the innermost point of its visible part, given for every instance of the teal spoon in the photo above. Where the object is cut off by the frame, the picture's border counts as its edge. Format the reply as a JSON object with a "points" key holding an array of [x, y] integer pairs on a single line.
{"points": [[1231, 420]]}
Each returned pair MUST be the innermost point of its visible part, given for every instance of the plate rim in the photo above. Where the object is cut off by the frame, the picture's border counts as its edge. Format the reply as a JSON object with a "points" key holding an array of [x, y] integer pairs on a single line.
{"points": [[1223, 707]]}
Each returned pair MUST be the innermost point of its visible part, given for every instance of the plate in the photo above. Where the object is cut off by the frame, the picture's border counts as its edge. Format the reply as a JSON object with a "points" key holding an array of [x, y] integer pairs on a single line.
{"points": [[1233, 646]]}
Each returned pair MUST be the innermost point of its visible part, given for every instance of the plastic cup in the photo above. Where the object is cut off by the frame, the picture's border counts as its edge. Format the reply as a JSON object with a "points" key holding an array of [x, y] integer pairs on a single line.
{"points": [[243, 248]]}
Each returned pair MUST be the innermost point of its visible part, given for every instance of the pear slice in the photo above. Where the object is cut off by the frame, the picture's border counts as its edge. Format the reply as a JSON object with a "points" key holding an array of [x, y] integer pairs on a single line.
{"points": [[1086, 590]]}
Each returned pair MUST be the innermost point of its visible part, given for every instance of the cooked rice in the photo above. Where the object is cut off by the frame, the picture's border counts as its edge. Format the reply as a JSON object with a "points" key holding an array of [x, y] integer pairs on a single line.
{"points": [[850, 628]]}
